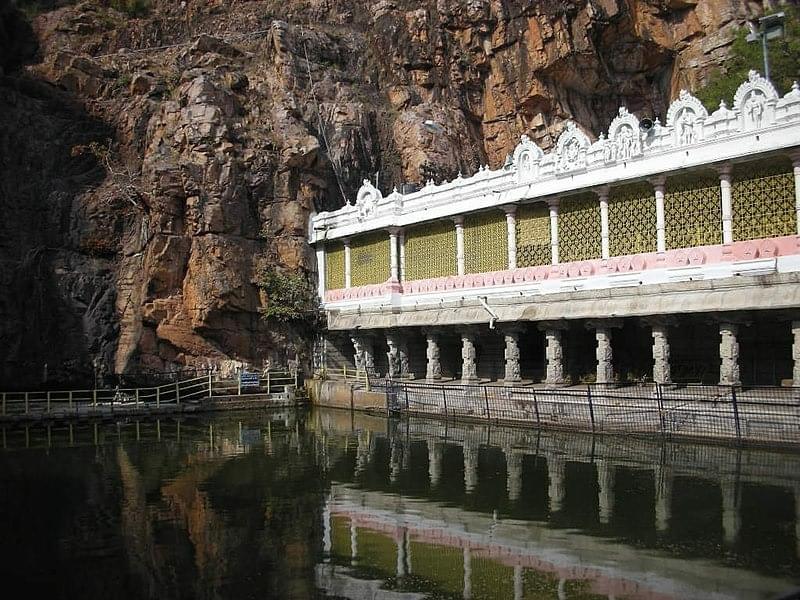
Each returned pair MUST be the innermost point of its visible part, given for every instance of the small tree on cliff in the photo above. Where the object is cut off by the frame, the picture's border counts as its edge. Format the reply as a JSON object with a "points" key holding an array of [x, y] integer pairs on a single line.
{"points": [[291, 297], [784, 65]]}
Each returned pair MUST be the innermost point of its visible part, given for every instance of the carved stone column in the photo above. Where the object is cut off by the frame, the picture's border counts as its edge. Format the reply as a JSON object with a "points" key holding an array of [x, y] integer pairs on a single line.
{"points": [[796, 353], [469, 367], [405, 358], [729, 354], [393, 355], [512, 356], [434, 369], [661, 367], [554, 353], [605, 355]]}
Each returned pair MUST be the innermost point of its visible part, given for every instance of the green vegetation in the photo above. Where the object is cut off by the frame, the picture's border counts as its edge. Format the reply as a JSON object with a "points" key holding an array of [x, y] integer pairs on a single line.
{"points": [[291, 297], [784, 61]]}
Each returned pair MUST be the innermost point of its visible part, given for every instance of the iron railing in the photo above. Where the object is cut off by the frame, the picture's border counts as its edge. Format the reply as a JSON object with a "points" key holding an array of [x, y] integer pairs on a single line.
{"points": [[754, 414]]}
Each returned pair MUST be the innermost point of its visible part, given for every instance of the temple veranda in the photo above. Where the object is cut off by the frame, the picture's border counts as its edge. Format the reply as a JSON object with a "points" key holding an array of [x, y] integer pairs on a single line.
{"points": [[669, 254]]}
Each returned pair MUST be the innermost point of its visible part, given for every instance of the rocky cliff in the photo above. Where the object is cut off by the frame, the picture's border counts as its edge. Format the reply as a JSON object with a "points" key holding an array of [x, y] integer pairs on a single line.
{"points": [[151, 165]]}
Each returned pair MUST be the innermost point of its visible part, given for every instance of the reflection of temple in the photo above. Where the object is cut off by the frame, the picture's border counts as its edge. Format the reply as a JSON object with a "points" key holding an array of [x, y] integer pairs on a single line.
{"points": [[627, 497]]}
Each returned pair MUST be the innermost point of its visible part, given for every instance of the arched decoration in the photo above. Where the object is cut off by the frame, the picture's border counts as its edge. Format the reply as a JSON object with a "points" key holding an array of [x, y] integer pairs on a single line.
{"points": [[755, 102], [396, 200], [686, 116], [624, 138], [367, 199], [571, 148], [526, 159]]}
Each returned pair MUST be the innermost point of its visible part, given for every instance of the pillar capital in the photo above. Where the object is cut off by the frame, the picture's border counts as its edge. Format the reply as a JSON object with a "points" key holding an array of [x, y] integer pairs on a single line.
{"points": [[458, 220], [603, 191], [659, 182], [553, 203], [394, 230], [509, 209], [724, 170]]}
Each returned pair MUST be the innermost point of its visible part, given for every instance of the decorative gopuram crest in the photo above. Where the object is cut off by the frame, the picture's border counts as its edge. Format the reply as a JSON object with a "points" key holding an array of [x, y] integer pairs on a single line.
{"points": [[755, 101], [624, 138], [571, 148], [367, 199], [526, 158], [686, 115]]}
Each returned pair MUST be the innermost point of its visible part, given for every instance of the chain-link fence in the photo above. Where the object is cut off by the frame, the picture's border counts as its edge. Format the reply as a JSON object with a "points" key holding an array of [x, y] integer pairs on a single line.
{"points": [[755, 414]]}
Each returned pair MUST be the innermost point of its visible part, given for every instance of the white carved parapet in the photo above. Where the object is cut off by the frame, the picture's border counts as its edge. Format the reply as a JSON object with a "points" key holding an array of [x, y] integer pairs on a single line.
{"points": [[527, 156], [686, 116], [788, 107], [571, 149]]}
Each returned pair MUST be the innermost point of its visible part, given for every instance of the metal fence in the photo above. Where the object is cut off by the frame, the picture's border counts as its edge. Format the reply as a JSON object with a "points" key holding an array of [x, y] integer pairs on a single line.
{"points": [[757, 414]]}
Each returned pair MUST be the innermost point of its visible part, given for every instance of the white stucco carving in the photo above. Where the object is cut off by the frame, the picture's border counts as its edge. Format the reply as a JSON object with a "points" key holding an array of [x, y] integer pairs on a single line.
{"points": [[571, 148], [367, 200], [526, 159], [624, 137], [755, 102], [686, 116]]}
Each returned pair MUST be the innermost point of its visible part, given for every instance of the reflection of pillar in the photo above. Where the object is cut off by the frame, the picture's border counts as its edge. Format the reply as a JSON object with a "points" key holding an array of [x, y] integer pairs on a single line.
{"points": [[402, 544], [326, 527], [728, 354], [394, 460], [469, 368], [362, 451], [605, 491], [470, 467], [513, 374], [663, 508], [605, 355], [556, 467], [353, 540], [513, 474], [731, 518], [434, 462], [555, 357], [562, 589], [518, 583], [467, 573], [434, 368]]}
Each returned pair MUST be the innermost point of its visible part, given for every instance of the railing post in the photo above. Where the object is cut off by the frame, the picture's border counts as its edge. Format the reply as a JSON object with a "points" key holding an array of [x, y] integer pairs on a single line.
{"points": [[239, 385], [137, 397], [48, 403], [177, 393], [660, 399], [4, 404], [26, 403], [268, 382], [405, 389], [295, 377], [591, 407], [94, 398], [486, 400], [69, 400], [444, 398], [210, 383], [158, 396], [536, 407], [344, 372], [736, 413]]}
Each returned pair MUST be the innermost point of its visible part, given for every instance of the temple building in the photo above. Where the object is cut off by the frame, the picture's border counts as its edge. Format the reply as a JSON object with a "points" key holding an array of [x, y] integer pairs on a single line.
{"points": [[660, 252]]}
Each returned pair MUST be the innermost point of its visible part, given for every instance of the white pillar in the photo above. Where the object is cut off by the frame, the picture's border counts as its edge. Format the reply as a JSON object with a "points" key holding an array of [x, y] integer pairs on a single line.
{"points": [[394, 259], [321, 270], [554, 353], [605, 355], [433, 371], [796, 168], [469, 368], [659, 189], [729, 354], [661, 365], [553, 205], [727, 203], [605, 490], [511, 226], [602, 195], [556, 467], [460, 258], [402, 244], [347, 270]]}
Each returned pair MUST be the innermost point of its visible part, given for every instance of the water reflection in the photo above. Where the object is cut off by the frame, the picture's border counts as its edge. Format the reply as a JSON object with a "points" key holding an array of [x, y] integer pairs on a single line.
{"points": [[334, 505]]}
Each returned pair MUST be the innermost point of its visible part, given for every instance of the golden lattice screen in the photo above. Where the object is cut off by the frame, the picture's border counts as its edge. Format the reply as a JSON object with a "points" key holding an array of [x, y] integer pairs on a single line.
{"points": [[430, 250], [485, 242], [763, 199], [369, 259], [632, 220], [334, 265], [579, 228], [533, 235], [692, 210]]}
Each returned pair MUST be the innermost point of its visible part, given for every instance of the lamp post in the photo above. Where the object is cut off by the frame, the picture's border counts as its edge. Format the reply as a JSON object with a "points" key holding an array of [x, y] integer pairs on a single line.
{"points": [[766, 28]]}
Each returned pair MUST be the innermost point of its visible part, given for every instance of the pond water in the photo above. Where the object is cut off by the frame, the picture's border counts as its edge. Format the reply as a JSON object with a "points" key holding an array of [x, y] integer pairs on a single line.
{"points": [[333, 505]]}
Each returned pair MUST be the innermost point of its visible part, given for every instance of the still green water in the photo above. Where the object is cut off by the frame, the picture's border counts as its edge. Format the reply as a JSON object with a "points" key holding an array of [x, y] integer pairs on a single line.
{"points": [[333, 505]]}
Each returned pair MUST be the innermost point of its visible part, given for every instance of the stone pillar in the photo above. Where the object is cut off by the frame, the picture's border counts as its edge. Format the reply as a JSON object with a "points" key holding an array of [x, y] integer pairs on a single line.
{"points": [[659, 189], [602, 195], [358, 352], [513, 474], [470, 451], [727, 203], [434, 462], [321, 270], [511, 227], [469, 368], [394, 258], [661, 367], [405, 358], [513, 373], [729, 354], [553, 205], [555, 357], [731, 517], [393, 355], [796, 353], [467, 573], [605, 490], [605, 355], [348, 279], [402, 244], [434, 369], [556, 467], [460, 258], [663, 509]]}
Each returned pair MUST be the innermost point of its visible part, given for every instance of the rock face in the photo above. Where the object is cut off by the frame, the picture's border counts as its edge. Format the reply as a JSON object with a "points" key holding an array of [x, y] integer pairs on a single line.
{"points": [[151, 165]]}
